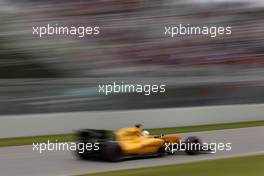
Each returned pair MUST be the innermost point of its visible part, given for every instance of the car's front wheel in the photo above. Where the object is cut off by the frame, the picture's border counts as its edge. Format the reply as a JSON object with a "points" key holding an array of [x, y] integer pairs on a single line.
{"points": [[193, 145]]}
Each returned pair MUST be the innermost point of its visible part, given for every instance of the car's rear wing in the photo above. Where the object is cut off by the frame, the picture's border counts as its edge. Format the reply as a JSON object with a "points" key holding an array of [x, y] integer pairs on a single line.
{"points": [[86, 135]]}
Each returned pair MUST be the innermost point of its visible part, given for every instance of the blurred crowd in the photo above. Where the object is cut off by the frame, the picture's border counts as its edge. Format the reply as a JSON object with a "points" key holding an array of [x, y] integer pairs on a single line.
{"points": [[132, 34], [198, 70]]}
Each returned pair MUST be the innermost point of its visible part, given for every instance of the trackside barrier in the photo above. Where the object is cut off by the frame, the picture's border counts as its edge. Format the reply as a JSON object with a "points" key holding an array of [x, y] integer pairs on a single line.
{"points": [[59, 123]]}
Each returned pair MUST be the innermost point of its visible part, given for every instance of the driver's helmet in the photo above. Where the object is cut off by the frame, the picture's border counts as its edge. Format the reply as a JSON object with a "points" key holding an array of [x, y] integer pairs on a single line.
{"points": [[145, 133], [138, 125]]}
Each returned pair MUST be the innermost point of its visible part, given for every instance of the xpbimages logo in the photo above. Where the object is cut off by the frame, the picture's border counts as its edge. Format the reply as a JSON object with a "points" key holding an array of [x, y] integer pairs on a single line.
{"points": [[146, 89], [188, 30], [185, 146], [80, 31], [65, 146]]}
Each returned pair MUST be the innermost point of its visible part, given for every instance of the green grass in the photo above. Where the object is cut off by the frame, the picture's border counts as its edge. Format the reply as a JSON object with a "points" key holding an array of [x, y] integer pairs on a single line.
{"points": [[242, 166], [207, 127], [4, 142]]}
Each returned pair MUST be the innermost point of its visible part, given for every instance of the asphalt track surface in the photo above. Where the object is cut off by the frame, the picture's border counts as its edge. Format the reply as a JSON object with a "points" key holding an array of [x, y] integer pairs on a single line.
{"points": [[22, 161]]}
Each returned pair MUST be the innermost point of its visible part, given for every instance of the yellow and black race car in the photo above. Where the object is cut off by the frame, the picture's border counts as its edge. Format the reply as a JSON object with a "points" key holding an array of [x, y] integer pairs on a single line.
{"points": [[132, 142]]}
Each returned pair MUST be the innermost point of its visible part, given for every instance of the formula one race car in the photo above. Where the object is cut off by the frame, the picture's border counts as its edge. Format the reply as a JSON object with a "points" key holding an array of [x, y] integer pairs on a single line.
{"points": [[133, 142]]}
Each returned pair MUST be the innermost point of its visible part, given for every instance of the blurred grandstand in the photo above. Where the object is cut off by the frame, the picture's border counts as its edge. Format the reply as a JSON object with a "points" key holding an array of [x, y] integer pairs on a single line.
{"points": [[55, 74]]}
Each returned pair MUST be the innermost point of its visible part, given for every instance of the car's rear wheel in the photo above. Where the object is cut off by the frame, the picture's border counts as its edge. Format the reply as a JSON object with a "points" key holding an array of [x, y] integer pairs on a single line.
{"points": [[112, 152], [161, 152], [193, 145], [83, 154]]}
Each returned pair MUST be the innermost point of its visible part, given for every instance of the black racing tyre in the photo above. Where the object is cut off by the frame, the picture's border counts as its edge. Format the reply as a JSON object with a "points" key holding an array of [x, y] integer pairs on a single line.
{"points": [[83, 155], [193, 145], [112, 152]]}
